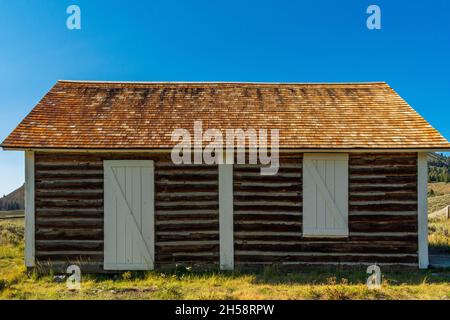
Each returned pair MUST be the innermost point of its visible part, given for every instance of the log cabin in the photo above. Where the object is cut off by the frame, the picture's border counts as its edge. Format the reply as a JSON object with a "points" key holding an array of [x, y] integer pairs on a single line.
{"points": [[102, 191]]}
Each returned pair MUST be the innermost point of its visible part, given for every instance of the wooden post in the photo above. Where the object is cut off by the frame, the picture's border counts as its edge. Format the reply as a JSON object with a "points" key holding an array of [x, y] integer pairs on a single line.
{"points": [[422, 208], [226, 217], [29, 209]]}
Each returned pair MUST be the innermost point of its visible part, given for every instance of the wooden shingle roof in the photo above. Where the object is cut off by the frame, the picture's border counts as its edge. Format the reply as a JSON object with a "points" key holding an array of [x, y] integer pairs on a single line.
{"points": [[110, 115]]}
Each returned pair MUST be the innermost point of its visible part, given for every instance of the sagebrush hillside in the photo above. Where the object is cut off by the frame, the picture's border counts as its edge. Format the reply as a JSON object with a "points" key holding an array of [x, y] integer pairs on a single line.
{"points": [[13, 201], [438, 168]]}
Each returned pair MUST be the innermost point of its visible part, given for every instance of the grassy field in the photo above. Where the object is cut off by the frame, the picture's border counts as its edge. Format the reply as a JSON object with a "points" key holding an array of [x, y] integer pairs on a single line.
{"points": [[439, 236], [439, 188], [441, 196], [11, 213], [15, 283]]}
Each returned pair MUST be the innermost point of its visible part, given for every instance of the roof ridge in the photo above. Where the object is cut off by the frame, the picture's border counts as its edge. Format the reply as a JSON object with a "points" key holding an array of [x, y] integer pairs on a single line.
{"points": [[221, 82]]}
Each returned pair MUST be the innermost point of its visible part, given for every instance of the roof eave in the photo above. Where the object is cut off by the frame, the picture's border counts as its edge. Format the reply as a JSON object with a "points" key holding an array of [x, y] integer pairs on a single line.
{"points": [[162, 150]]}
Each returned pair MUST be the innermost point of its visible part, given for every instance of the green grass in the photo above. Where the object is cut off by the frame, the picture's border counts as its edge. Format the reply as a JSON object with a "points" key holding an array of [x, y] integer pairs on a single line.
{"points": [[15, 283]]}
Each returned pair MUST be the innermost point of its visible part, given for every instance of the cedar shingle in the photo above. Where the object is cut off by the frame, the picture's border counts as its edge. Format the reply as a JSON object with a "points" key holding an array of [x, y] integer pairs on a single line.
{"points": [[97, 115]]}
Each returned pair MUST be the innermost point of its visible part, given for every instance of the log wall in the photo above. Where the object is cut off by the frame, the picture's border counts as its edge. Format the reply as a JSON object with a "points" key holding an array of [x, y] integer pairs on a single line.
{"points": [[267, 212], [69, 210], [382, 214]]}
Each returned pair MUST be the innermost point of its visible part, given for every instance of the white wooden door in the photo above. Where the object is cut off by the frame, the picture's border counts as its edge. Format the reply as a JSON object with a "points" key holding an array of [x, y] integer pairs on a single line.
{"points": [[129, 214], [325, 194]]}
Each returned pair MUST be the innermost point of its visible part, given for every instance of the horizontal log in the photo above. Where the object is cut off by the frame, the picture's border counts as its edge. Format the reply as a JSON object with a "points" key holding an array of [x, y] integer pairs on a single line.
{"points": [[293, 197], [73, 181], [185, 179], [381, 226], [412, 219], [210, 212], [62, 211], [296, 203], [258, 256], [386, 170], [272, 208], [67, 245], [69, 191], [241, 185], [328, 247], [186, 173], [185, 217], [257, 226], [412, 187], [185, 188], [78, 165], [190, 227], [262, 194], [174, 222], [385, 213], [70, 214], [63, 203], [193, 206], [283, 165], [243, 176], [383, 207], [188, 243], [382, 180], [267, 217], [68, 223], [385, 202], [183, 203], [264, 189], [186, 236], [382, 196], [60, 176], [297, 236], [47, 196], [188, 184], [187, 196], [65, 184], [69, 234], [265, 179], [170, 166]]}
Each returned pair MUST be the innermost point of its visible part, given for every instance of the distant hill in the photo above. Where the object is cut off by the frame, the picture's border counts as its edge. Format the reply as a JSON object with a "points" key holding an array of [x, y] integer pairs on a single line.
{"points": [[439, 168], [13, 201]]}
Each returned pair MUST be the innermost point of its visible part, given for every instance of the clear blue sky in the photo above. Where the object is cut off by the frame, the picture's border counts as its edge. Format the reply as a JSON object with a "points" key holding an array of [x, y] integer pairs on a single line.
{"points": [[221, 40]]}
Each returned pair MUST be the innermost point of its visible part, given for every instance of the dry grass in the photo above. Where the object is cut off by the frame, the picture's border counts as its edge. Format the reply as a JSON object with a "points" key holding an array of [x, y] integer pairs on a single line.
{"points": [[441, 196], [11, 232], [439, 188], [439, 235], [10, 213], [15, 283], [438, 202]]}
